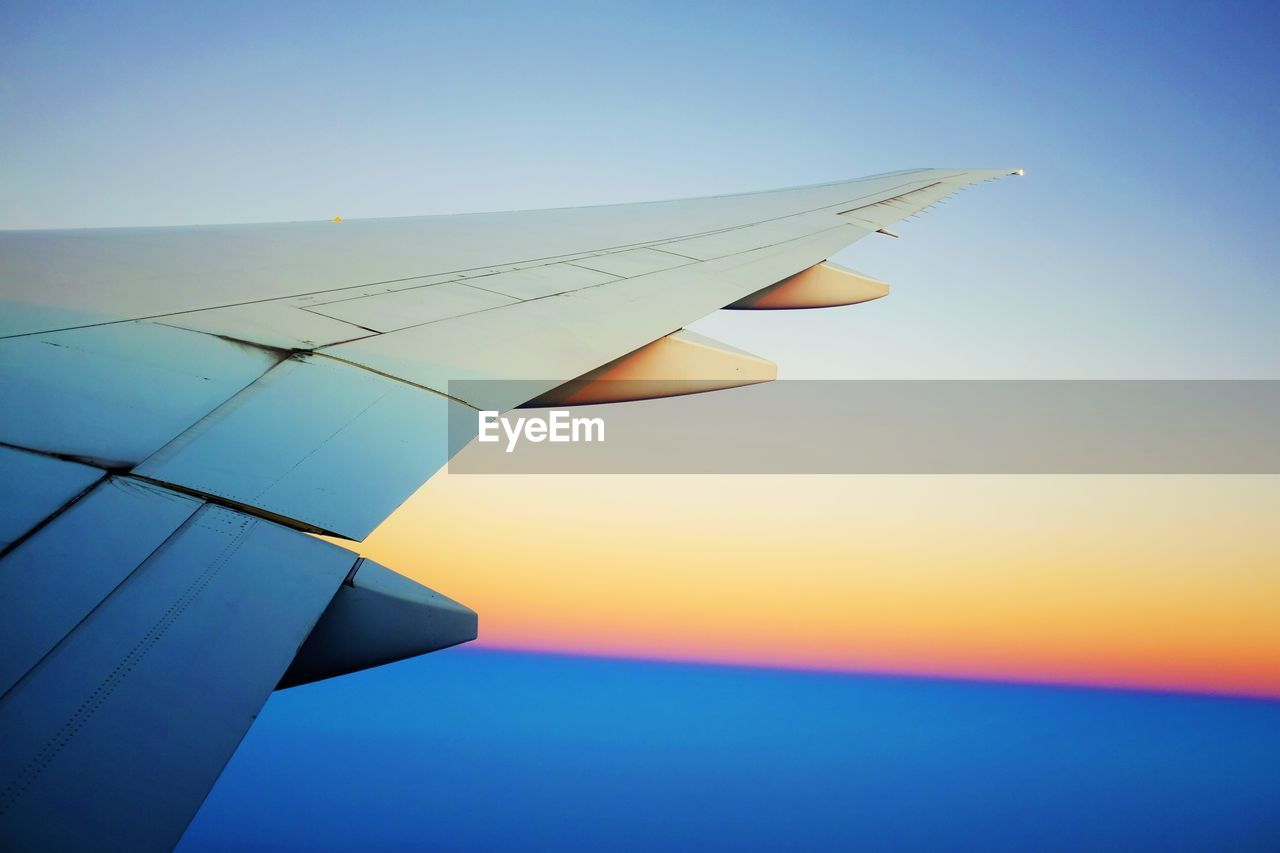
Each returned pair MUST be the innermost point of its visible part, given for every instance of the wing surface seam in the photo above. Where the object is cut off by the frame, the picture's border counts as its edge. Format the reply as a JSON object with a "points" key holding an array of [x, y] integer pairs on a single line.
{"points": [[93, 609], [60, 739]]}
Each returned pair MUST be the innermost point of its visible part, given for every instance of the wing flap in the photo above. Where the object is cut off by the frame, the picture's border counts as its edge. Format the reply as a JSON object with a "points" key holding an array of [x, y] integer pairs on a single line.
{"points": [[54, 579], [115, 737]]}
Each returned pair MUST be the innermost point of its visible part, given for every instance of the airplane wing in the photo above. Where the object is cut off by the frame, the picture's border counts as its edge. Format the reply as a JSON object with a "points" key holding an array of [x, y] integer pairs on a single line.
{"points": [[182, 406]]}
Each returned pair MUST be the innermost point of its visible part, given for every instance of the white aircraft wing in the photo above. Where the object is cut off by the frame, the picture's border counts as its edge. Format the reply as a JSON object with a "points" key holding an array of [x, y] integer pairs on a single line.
{"points": [[182, 406]]}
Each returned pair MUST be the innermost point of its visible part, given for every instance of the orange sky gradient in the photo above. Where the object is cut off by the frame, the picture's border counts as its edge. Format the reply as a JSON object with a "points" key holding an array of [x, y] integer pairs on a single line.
{"points": [[1166, 582]]}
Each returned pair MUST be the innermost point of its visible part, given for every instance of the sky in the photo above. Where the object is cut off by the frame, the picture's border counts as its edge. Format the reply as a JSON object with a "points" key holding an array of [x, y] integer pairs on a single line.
{"points": [[1137, 246], [538, 752]]}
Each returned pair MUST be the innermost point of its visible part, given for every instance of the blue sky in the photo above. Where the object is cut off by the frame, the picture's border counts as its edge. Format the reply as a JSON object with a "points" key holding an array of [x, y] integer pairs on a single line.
{"points": [[484, 750], [242, 111], [1140, 244]]}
